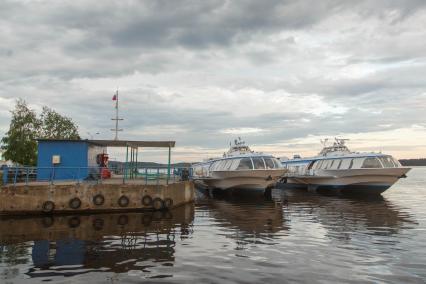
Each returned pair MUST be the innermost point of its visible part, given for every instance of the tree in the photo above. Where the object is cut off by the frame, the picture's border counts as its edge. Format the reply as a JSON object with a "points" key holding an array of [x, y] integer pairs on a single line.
{"points": [[19, 143], [56, 126]]}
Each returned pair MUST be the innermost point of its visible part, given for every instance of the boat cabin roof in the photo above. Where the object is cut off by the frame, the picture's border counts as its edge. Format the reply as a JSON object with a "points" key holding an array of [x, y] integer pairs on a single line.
{"points": [[350, 156]]}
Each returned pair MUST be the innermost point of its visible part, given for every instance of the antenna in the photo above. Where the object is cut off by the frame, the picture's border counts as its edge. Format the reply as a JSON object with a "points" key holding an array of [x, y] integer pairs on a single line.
{"points": [[116, 129], [340, 141]]}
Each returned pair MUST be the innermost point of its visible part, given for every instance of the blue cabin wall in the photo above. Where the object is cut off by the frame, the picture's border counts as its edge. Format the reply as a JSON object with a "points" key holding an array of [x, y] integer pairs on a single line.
{"points": [[73, 155]]}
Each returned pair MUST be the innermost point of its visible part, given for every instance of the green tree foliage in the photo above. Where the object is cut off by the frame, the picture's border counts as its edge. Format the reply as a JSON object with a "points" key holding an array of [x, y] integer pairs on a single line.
{"points": [[20, 143], [55, 126]]}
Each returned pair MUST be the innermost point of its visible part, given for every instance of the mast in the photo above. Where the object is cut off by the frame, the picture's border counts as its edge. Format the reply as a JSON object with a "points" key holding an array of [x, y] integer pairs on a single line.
{"points": [[116, 129]]}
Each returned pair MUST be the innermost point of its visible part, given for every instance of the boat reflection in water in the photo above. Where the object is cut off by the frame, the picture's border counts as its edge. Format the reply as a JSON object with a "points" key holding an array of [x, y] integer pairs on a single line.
{"points": [[101, 242], [272, 215], [344, 216], [249, 212]]}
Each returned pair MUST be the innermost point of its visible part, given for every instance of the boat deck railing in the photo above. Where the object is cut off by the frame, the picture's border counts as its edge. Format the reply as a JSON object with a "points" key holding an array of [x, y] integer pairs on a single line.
{"points": [[70, 175]]}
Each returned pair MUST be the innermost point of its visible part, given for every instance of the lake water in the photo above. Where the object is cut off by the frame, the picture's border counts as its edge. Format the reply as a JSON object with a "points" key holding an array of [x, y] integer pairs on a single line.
{"points": [[294, 236]]}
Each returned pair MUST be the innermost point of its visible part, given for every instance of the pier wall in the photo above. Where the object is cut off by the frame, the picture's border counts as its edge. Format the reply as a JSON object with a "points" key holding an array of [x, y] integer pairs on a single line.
{"points": [[31, 199]]}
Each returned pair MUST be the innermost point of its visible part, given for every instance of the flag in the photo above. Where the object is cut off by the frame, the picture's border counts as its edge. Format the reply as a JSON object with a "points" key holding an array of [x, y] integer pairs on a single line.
{"points": [[114, 98]]}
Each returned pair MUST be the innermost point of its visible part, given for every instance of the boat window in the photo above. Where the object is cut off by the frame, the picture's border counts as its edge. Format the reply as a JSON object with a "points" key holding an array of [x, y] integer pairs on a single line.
{"points": [[217, 166], [269, 163], [258, 163], [245, 164], [345, 164], [387, 162], [212, 166], [339, 164], [351, 163], [277, 163], [335, 164], [396, 162], [371, 163], [357, 163], [319, 164], [229, 164], [326, 164], [234, 164]]}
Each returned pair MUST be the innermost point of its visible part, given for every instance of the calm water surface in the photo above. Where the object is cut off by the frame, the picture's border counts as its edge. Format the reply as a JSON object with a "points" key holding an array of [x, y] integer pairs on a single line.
{"points": [[295, 236]]}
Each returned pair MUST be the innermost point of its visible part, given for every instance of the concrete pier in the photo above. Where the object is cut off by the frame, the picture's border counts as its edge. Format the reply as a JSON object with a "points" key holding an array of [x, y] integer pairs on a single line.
{"points": [[42, 198]]}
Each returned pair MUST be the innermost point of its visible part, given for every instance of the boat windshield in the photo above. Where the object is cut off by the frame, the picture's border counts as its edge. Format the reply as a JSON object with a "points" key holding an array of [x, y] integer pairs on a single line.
{"points": [[245, 164], [269, 163], [371, 163], [258, 163]]}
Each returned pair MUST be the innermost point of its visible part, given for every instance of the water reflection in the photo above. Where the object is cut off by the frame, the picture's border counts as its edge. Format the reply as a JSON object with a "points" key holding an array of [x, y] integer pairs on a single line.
{"points": [[344, 216], [293, 235], [248, 218], [69, 245], [341, 217]]}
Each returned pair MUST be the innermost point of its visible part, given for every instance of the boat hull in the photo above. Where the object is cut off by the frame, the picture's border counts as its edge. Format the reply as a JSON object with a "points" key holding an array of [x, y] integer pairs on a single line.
{"points": [[356, 180], [246, 180]]}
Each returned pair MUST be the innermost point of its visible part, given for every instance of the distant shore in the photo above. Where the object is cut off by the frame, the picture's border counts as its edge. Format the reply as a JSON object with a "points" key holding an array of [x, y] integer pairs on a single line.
{"points": [[413, 162]]}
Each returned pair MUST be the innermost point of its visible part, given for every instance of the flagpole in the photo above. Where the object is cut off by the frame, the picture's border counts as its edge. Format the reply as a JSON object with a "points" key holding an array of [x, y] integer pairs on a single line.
{"points": [[116, 116], [116, 130]]}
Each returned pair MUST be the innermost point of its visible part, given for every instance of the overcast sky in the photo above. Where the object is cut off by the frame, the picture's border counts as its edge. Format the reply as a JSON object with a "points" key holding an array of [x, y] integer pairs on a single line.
{"points": [[280, 74]]}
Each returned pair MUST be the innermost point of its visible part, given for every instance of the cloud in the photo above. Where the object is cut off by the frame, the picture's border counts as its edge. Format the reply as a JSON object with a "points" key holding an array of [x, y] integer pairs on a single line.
{"points": [[202, 72]]}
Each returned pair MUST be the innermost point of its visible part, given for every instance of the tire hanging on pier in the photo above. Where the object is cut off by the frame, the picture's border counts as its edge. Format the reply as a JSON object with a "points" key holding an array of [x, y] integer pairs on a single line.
{"points": [[98, 199], [48, 207], [75, 203], [158, 203], [168, 203], [147, 200], [123, 201]]}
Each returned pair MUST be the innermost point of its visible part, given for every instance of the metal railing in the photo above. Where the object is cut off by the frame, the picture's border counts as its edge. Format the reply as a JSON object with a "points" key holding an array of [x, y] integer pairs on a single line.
{"points": [[55, 175]]}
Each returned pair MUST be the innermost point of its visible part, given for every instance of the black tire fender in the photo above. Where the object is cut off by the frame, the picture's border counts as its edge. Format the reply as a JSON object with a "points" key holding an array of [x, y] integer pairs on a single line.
{"points": [[123, 201], [147, 200], [74, 203], [168, 203], [98, 199], [158, 203], [48, 207]]}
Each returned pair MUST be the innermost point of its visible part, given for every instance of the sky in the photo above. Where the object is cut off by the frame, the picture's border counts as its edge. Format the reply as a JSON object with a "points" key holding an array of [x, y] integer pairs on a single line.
{"points": [[280, 74]]}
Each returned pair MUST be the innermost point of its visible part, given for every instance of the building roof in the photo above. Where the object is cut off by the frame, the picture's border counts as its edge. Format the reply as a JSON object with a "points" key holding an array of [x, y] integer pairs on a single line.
{"points": [[119, 143]]}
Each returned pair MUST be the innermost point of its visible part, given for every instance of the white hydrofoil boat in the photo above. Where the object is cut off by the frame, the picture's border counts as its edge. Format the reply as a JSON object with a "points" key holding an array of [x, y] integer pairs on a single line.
{"points": [[337, 168], [239, 168]]}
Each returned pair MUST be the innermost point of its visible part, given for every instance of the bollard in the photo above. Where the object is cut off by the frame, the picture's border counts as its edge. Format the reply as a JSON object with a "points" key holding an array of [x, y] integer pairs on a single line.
{"points": [[158, 176], [26, 178]]}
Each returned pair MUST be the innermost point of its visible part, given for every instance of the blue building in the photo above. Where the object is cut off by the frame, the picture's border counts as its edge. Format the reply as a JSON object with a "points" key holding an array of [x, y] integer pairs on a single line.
{"points": [[67, 159], [77, 159]]}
